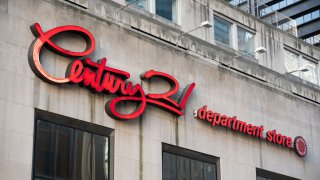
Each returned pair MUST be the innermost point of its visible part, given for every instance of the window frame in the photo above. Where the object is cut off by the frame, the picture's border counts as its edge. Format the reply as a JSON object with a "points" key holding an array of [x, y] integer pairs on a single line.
{"points": [[249, 31], [152, 9], [234, 33], [231, 35], [301, 57], [269, 175], [191, 154], [77, 125]]}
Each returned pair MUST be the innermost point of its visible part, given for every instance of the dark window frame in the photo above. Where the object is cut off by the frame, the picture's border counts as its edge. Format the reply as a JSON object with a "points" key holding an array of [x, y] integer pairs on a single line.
{"points": [[272, 175], [69, 122], [191, 154]]}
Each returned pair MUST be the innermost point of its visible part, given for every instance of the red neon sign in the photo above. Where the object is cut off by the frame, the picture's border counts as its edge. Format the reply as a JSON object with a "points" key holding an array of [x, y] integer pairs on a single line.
{"points": [[217, 119], [104, 79]]}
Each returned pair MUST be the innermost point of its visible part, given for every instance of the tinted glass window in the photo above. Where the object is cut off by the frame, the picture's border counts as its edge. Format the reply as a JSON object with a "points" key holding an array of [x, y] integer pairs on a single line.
{"points": [[268, 175], [44, 153], [209, 171], [82, 153], [177, 167], [170, 166], [166, 9], [66, 153], [222, 31]]}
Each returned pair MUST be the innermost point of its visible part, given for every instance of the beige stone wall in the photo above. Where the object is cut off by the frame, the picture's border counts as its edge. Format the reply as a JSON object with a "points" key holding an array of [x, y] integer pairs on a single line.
{"points": [[138, 151]]}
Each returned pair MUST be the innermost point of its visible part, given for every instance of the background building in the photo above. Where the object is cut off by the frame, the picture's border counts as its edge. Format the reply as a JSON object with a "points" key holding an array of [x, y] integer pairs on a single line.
{"points": [[302, 16], [50, 131]]}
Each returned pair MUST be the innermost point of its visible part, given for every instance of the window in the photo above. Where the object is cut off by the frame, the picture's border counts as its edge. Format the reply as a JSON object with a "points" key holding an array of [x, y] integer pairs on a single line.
{"points": [[295, 61], [164, 8], [310, 75], [167, 9], [313, 39], [233, 35], [268, 175], [222, 31], [144, 4], [63, 152], [182, 164], [292, 61], [245, 40], [276, 7], [308, 17]]}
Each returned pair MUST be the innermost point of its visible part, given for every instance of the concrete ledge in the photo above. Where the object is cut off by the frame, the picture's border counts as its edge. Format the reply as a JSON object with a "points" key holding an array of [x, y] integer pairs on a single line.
{"points": [[167, 35]]}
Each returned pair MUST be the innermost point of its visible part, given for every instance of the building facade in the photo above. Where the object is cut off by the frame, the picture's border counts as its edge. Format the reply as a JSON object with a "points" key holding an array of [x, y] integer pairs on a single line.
{"points": [[305, 13], [301, 18], [99, 89]]}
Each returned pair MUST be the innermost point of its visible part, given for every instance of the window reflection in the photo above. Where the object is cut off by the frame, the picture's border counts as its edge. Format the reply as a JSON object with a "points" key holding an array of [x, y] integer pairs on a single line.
{"points": [[170, 166], [98, 157], [177, 167], [291, 62], [245, 41], [310, 75], [83, 144], [45, 149], [65, 153], [167, 9], [294, 61], [222, 31]]}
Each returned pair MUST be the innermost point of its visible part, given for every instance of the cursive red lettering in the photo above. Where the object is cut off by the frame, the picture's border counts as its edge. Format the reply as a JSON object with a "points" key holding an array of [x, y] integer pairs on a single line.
{"points": [[44, 38], [111, 105], [99, 77]]}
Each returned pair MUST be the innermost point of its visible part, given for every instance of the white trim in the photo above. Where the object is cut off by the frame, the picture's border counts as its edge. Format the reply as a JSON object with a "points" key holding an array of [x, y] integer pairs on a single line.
{"points": [[152, 6], [234, 36], [231, 45], [179, 12]]}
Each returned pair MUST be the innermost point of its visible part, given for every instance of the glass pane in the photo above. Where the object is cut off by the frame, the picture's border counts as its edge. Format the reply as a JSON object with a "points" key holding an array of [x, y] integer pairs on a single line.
{"points": [[299, 20], [183, 166], [275, 7], [307, 17], [99, 158], [196, 170], [141, 4], [291, 62], [222, 31], [315, 14], [82, 155], [44, 152], [268, 10], [169, 166], [290, 2], [310, 75], [167, 9], [245, 41], [106, 157], [282, 4], [209, 172], [64, 152]]}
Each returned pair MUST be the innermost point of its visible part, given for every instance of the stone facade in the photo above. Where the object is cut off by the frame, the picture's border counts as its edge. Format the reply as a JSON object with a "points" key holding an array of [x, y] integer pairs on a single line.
{"points": [[137, 41]]}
